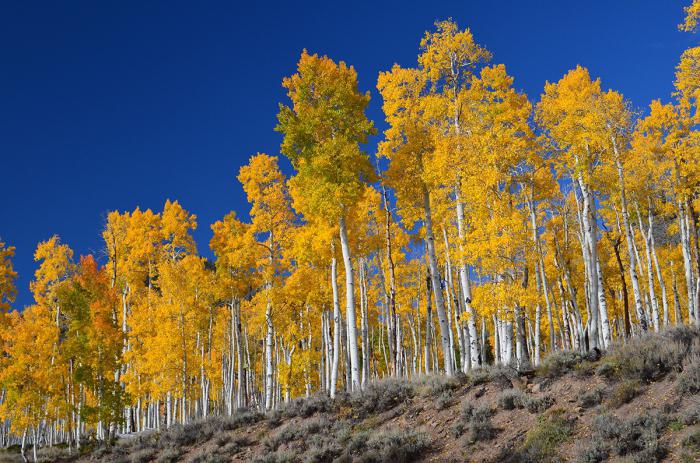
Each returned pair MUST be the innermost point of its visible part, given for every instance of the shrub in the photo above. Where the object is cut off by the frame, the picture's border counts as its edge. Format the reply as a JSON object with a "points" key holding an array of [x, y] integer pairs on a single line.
{"points": [[592, 452], [444, 400], [296, 431], [169, 455], [394, 447], [652, 356], [639, 435], [478, 376], [202, 431], [242, 417], [557, 364], [538, 404], [281, 456], [235, 445], [607, 426], [142, 456], [591, 398], [437, 385], [380, 396], [510, 399], [305, 407], [501, 375], [692, 441], [691, 415], [476, 420], [684, 335], [607, 370], [688, 381], [47, 454], [625, 392], [8, 457], [541, 441], [205, 456]]}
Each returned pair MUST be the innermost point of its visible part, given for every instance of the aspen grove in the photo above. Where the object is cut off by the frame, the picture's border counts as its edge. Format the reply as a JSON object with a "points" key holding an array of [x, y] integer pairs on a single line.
{"points": [[484, 229]]}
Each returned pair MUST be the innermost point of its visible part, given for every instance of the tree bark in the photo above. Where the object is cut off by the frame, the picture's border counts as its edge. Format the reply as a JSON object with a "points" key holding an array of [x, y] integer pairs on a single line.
{"points": [[350, 306]]}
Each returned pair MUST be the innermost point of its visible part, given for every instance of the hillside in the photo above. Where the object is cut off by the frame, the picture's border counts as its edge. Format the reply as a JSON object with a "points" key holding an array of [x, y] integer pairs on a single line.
{"points": [[635, 403]]}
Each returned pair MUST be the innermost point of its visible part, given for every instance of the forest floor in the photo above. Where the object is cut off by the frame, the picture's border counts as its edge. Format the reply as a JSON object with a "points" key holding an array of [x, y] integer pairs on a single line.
{"points": [[639, 402]]}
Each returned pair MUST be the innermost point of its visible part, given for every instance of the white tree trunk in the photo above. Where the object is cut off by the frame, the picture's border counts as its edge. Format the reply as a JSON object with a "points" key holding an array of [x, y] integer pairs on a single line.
{"points": [[269, 380], [350, 306], [464, 280], [590, 256], [688, 266], [604, 321], [437, 287], [336, 328], [629, 237]]}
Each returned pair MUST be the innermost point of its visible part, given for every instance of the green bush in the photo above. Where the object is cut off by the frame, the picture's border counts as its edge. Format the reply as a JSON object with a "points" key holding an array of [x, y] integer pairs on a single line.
{"points": [[538, 404], [652, 356], [688, 381], [593, 451], [638, 436], [541, 442], [625, 392], [380, 396], [394, 447], [307, 406], [475, 420], [510, 399], [591, 398], [557, 364]]}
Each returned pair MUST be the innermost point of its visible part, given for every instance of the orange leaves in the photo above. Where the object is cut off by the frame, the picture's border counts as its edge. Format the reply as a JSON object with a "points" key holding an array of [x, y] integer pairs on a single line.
{"points": [[29, 374]]}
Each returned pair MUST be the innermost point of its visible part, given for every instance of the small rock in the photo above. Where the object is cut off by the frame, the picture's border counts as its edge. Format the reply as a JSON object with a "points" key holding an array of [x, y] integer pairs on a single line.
{"points": [[536, 388]]}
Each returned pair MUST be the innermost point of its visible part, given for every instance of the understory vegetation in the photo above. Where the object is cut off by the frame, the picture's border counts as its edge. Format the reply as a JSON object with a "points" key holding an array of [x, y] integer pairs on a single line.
{"points": [[492, 414]]}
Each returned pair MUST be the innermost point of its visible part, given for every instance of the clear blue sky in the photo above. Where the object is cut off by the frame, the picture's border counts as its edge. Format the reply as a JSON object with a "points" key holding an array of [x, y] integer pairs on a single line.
{"points": [[113, 105]]}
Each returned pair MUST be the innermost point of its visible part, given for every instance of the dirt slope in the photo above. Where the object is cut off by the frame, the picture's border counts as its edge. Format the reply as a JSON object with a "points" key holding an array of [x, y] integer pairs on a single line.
{"points": [[636, 403]]}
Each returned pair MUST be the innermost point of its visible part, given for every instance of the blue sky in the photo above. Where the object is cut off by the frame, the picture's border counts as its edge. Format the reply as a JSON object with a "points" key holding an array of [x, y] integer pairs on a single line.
{"points": [[113, 105]]}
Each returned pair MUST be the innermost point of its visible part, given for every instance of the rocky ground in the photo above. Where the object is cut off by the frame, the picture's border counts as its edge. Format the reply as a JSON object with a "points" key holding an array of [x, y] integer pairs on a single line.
{"points": [[636, 403]]}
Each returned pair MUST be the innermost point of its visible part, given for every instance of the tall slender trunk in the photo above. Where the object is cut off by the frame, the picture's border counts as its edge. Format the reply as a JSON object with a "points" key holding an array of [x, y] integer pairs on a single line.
{"points": [[646, 236], [590, 256], [639, 308], [625, 303], [687, 261], [464, 280], [269, 373], [391, 306], [659, 275], [606, 336], [436, 284], [428, 322], [336, 327], [350, 306]]}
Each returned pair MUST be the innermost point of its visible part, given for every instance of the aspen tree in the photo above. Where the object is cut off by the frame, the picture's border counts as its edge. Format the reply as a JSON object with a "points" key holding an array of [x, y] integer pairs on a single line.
{"points": [[272, 219], [323, 130], [409, 147]]}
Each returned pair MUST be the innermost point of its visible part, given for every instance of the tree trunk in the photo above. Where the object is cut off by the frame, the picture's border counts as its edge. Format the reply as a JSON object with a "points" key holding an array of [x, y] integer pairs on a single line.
{"points": [[590, 256], [639, 308], [437, 288], [464, 280], [350, 306], [336, 328]]}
